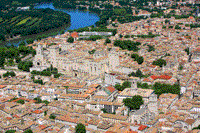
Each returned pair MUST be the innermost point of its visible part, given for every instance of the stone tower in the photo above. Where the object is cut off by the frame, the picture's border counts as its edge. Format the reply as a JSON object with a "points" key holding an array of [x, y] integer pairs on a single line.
{"points": [[38, 61], [113, 59], [153, 104], [54, 52]]}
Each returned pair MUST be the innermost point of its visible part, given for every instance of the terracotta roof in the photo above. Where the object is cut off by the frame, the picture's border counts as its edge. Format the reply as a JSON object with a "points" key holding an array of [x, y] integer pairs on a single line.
{"points": [[142, 127], [74, 34], [2, 86], [111, 89], [166, 77], [42, 127], [37, 111], [8, 118]]}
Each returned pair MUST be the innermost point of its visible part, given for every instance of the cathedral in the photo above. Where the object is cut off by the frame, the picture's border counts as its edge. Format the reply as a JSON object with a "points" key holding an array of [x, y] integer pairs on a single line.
{"points": [[75, 61]]}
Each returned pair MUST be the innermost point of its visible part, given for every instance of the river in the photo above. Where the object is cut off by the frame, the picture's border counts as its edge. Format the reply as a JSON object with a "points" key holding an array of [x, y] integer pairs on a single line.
{"points": [[79, 19]]}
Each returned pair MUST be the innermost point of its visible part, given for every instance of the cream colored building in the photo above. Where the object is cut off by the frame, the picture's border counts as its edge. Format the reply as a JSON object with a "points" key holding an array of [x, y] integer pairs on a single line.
{"points": [[75, 61]]}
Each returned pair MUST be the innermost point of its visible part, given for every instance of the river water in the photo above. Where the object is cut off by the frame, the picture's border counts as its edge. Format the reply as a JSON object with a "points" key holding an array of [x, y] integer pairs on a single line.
{"points": [[79, 19]]}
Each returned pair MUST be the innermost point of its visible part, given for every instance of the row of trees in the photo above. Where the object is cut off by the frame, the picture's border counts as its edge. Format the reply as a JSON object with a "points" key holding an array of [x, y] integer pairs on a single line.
{"points": [[47, 72], [38, 100], [151, 48], [145, 36], [11, 73], [38, 81], [127, 44], [160, 62], [13, 131], [138, 73], [160, 14], [161, 88], [125, 84], [142, 85], [137, 58], [25, 65]]}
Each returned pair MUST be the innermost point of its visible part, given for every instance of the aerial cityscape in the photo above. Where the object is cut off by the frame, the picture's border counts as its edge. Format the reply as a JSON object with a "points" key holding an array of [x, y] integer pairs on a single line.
{"points": [[100, 66]]}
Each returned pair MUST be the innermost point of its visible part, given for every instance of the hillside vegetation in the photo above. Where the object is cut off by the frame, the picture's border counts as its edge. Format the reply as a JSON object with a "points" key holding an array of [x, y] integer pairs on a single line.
{"points": [[30, 22]]}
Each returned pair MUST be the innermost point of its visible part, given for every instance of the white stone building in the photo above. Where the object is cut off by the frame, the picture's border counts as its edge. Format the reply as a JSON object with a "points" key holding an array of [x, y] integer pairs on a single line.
{"points": [[75, 62]]}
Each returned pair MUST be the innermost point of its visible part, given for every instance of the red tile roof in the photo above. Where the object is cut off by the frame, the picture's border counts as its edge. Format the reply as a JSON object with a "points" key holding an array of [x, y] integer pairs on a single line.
{"points": [[16, 116], [111, 89], [37, 111], [8, 118], [142, 127], [166, 77], [74, 34], [42, 127]]}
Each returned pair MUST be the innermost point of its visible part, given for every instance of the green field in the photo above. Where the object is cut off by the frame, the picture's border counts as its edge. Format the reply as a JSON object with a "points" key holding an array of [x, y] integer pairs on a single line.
{"points": [[23, 21]]}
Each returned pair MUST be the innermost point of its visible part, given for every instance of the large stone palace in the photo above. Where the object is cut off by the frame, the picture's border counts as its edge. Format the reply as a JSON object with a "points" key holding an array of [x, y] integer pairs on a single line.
{"points": [[75, 61]]}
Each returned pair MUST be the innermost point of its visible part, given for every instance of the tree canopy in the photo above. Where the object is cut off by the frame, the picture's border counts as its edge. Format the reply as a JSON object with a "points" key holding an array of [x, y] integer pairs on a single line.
{"points": [[11, 73], [160, 62], [133, 103], [160, 88], [80, 128], [137, 58], [125, 84], [28, 131], [21, 101], [70, 39], [127, 44]]}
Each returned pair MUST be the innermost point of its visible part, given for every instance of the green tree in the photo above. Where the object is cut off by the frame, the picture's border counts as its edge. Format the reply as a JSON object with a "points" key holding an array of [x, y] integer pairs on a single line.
{"points": [[70, 40], [133, 103], [2, 61], [28, 131], [187, 51], [38, 100], [138, 73], [10, 131], [131, 74], [52, 116], [160, 62], [80, 128], [57, 75], [180, 67], [135, 56], [196, 127], [21, 101], [46, 102], [45, 113], [140, 60], [142, 85], [151, 48], [118, 87], [107, 40], [126, 84]]}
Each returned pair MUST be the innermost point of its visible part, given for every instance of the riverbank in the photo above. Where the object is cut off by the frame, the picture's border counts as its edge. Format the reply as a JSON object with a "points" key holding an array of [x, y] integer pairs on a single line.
{"points": [[79, 19]]}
